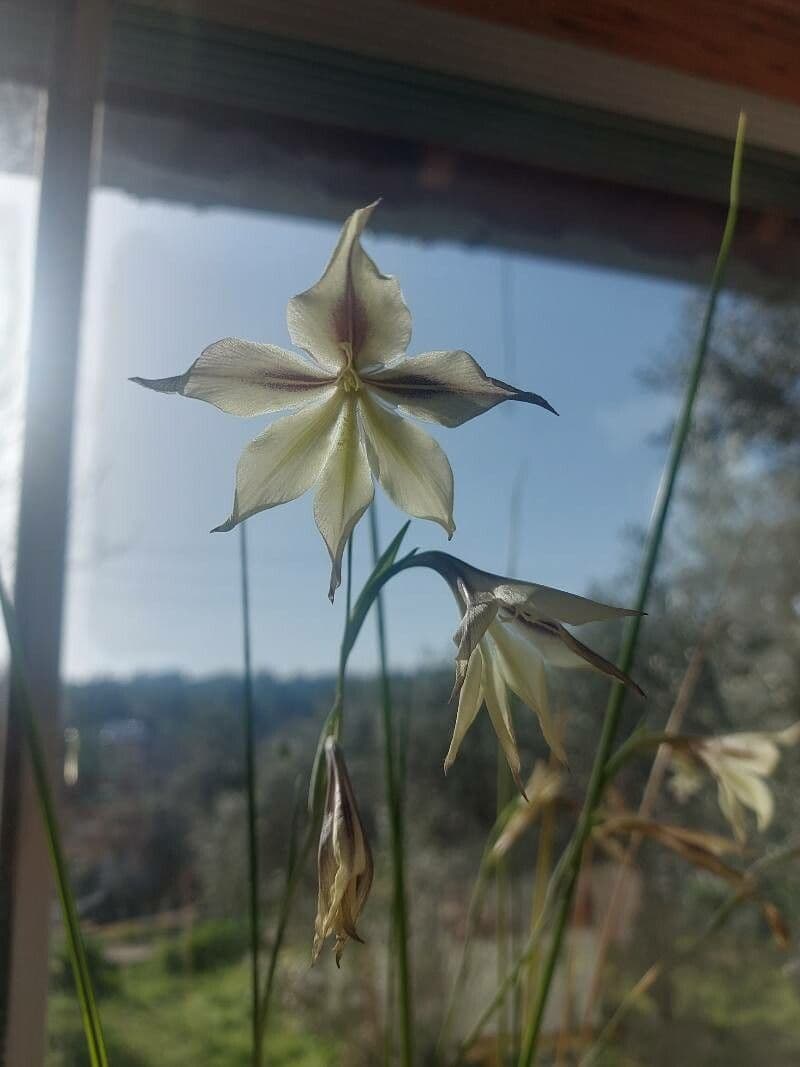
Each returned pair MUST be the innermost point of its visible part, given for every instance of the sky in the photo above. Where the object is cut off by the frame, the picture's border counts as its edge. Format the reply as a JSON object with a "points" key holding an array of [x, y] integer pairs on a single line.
{"points": [[150, 589]]}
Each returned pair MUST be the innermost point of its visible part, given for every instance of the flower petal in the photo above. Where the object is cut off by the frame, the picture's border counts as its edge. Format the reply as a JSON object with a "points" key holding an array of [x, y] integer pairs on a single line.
{"points": [[537, 601], [469, 701], [561, 649], [755, 753], [788, 736], [572, 609], [496, 696], [244, 378], [352, 303], [732, 810], [476, 620], [345, 489], [523, 668], [749, 790], [284, 461], [687, 778], [409, 464], [446, 387]]}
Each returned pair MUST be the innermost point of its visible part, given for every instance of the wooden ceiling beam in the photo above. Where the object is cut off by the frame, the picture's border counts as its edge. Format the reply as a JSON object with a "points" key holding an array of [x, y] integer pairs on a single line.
{"points": [[750, 43]]}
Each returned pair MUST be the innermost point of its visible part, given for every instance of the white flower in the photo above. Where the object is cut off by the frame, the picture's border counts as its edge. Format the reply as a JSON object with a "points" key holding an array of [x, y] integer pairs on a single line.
{"points": [[509, 631], [739, 763], [354, 327], [344, 859]]}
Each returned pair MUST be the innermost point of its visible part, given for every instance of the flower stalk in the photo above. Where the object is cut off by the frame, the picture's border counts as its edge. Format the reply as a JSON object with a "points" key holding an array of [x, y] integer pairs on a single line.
{"points": [[652, 551], [248, 712], [399, 919]]}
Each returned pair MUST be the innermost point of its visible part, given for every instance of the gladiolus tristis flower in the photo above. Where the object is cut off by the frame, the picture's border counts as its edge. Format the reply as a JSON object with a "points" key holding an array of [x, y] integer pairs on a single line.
{"points": [[739, 763], [509, 631], [344, 859], [355, 328]]}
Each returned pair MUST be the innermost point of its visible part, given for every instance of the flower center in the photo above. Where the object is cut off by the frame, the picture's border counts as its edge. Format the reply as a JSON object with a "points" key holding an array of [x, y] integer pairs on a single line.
{"points": [[348, 376]]}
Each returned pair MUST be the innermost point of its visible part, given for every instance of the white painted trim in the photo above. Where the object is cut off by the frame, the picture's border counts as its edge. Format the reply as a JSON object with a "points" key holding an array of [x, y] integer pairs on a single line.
{"points": [[404, 32]]}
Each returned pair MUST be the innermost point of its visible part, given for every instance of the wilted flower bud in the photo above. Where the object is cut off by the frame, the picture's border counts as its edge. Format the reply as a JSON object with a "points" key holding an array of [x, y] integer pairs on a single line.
{"points": [[344, 859]]}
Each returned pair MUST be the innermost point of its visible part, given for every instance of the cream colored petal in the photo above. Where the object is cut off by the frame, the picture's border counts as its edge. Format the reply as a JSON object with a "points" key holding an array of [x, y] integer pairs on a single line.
{"points": [[476, 620], [523, 668], [560, 648], [345, 488], [789, 736], [687, 778], [352, 303], [541, 601], [572, 609], [732, 810], [284, 461], [496, 697], [749, 790], [409, 464], [469, 702], [445, 387], [756, 753], [244, 378]]}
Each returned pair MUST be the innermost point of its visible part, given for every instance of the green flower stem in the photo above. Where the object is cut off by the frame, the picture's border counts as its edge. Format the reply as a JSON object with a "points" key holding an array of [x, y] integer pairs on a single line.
{"points": [[248, 712], [652, 549], [90, 1014], [295, 862], [641, 741], [505, 791], [399, 922]]}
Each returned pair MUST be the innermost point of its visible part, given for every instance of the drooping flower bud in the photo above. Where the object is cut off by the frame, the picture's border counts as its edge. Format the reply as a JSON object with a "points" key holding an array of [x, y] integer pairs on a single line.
{"points": [[344, 859]]}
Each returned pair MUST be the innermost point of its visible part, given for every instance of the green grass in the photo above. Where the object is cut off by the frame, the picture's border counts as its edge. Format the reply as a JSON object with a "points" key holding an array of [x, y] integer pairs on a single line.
{"points": [[154, 1017], [736, 1005]]}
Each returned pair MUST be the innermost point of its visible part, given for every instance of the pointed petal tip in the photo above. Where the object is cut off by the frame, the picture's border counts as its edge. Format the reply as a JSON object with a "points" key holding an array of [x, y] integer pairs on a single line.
{"points": [[336, 581], [561, 756], [539, 401], [161, 385]]}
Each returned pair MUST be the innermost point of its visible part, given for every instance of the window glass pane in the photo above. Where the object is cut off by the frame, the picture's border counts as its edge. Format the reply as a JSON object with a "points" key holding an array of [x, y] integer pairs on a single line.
{"points": [[154, 808], [153, 648], [21, 109]]}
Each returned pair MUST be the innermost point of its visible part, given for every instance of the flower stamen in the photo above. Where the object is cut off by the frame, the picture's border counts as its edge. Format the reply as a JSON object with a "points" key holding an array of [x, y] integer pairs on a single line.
{"points": [[348, 376]]}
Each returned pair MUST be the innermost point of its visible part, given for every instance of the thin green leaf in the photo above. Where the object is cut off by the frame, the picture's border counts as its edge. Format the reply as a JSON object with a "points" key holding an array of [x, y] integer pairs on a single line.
{"points": [[77, 953], [653, 545]]}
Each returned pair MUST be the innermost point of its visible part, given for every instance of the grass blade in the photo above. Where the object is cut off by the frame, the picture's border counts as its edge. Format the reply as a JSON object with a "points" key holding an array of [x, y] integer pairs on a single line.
{"points": [[77, 953], [652, 551]]}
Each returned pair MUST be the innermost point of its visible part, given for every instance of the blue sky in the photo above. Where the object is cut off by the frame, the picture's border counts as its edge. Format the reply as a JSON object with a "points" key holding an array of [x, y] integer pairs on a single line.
{"points": [[150, 589]]}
